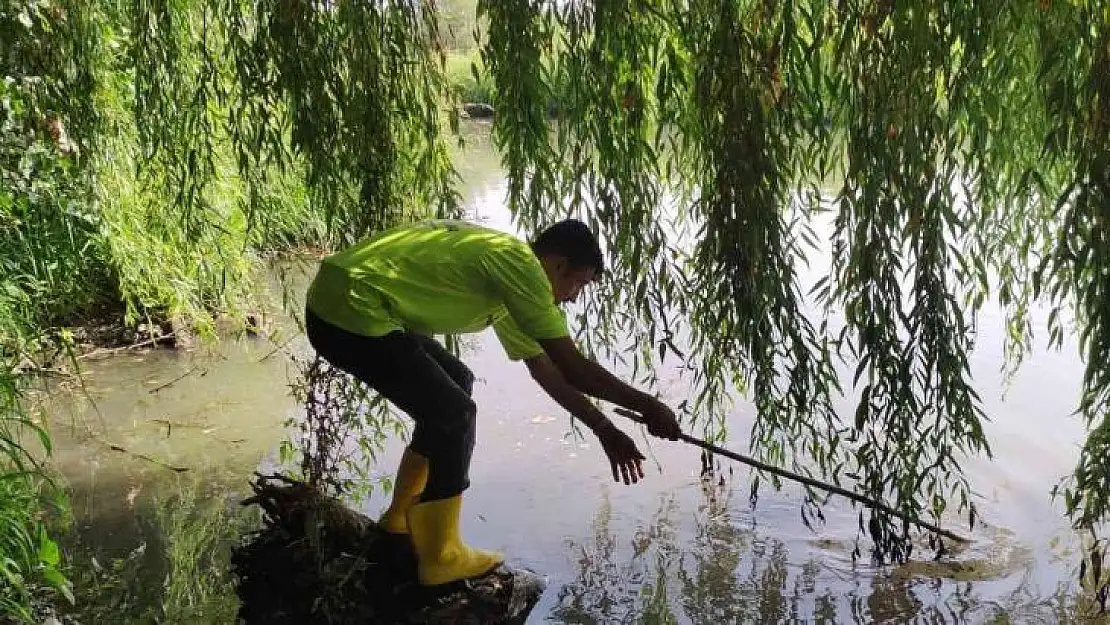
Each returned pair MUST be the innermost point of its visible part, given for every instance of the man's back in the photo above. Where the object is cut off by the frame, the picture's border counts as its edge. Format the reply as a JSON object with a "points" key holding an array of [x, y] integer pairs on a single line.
{"points": [[436, 277]]}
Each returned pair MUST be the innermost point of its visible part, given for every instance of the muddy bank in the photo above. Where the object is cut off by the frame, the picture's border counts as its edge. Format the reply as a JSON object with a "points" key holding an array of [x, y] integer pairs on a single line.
{"points": [[109, 332], [103, 329]]}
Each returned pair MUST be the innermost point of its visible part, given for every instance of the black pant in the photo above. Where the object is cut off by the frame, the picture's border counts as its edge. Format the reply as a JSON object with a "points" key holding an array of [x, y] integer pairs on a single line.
{"points": [[419, 376]]}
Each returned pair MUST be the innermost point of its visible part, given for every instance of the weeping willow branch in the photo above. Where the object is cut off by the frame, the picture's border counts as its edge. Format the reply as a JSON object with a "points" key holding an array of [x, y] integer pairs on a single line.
{"points": [[612, 180], [1076, 268], [360, 88], [897, 221], [518, 42], [738, 105], [747, 319], [344, 426]]}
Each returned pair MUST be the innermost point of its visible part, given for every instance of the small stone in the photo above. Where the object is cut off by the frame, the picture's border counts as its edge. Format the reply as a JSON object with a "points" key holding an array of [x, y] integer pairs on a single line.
{"points": [[478, 110]]}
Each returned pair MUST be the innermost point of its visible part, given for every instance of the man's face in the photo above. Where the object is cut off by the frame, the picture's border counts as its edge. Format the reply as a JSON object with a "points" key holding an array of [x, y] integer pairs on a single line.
{"points": [[568, 281]]}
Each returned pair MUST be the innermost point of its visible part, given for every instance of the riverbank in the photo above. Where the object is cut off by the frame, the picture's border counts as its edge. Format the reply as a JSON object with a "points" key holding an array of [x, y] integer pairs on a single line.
{"points": [[470, 83], [63, 419]]}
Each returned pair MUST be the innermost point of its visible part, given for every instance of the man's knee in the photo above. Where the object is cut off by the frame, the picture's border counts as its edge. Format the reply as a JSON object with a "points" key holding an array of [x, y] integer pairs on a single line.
{"points": [[450, 435], [459, 372], [466, 417], [466, 380], [455, 420], [456, 369]]}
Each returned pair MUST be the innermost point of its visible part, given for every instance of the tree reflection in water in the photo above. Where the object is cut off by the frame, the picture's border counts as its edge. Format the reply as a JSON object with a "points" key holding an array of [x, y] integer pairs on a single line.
{"points": [[719, 570]]}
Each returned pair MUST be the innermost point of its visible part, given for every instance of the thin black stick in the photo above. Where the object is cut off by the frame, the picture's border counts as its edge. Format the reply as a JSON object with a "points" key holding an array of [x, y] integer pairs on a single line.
{"points": [[176, 380], [156, 461], [832, 488]]}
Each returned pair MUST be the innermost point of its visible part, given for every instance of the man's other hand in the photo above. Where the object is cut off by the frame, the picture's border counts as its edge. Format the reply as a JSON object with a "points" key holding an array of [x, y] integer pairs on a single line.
{"points": [[625, 459], [661, 420]]}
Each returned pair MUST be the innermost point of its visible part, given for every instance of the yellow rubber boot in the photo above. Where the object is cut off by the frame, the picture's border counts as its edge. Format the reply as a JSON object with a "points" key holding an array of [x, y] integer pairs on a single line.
{"points": [[412, 476], [441, 556]]}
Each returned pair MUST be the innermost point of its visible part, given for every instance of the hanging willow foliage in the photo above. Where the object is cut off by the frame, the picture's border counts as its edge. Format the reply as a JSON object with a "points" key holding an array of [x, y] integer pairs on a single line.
{"points": [[959, 150], [945, 139]]}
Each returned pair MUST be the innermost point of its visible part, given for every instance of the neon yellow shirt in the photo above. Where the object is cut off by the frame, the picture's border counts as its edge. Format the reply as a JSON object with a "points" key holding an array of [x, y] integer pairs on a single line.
{"points": [[440, 277]]}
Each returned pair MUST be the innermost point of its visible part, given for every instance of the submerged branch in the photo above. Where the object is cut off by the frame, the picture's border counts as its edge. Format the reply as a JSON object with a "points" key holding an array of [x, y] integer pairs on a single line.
{"points": [[142, 456], [167, 339]]}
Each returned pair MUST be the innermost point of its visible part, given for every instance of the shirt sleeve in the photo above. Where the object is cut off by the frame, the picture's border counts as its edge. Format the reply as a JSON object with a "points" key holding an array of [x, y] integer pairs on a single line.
{"points": [[518, 279]]}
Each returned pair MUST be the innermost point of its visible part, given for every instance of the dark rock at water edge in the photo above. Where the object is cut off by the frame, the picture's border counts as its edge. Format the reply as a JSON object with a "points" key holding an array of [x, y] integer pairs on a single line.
{"points": [[317, 561], [478, 110]]}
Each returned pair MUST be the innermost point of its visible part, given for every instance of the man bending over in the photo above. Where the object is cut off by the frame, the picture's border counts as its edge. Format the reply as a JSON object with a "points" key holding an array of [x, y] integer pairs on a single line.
{"points": [[372, 311]]}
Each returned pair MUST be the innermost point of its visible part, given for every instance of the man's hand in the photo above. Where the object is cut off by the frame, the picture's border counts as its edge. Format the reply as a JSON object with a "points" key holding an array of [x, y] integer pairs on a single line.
{"points": [[661, 420], [592, 379], [625, 459]]}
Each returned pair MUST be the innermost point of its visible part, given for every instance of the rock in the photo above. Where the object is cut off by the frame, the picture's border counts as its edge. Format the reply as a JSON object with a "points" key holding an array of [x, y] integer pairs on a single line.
{"points": [[477, 110], [317, 561], [505, 596]]}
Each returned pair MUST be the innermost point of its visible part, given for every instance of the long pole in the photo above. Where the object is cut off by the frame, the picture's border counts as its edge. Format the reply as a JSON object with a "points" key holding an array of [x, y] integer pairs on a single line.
{"points": [[832, 488]]}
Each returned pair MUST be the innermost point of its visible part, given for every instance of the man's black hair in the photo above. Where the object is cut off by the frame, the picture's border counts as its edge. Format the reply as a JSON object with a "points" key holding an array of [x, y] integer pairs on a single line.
{"points": [[574, 241]]}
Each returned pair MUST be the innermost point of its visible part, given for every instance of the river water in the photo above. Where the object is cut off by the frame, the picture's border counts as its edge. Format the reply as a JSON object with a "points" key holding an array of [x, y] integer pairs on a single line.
{"points": [[672, 549]]}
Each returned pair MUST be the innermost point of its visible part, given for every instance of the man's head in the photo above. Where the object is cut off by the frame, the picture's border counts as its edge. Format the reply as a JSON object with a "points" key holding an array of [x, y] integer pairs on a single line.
{"points": [[571, 256]]}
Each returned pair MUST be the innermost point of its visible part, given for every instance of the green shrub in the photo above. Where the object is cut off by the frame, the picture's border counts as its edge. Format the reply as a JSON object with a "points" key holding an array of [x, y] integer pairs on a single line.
{"points": [[468, 78]]}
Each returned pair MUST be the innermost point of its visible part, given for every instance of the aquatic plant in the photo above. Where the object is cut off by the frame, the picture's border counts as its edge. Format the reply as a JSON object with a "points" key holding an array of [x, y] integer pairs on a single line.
{"points": [[31, 569]]}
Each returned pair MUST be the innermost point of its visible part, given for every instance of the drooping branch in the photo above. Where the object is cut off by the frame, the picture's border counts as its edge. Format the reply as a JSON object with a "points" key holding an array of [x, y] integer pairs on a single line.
{"points": [[360, 87], [748, 324]]}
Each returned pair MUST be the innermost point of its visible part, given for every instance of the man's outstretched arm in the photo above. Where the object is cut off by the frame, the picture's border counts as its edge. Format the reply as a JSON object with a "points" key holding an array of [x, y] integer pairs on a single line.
{"points": [[592, 379], [624, 458]]}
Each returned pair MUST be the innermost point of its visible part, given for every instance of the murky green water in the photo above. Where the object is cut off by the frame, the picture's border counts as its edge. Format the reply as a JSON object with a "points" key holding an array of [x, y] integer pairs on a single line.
{"points": [[673, 549]]}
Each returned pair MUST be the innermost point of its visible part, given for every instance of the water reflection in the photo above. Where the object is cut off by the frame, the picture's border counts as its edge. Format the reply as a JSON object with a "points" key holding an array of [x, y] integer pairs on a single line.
{"points": [[611, 587], [723, 573], [729, 574], [163, 558], [717, 568]]}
